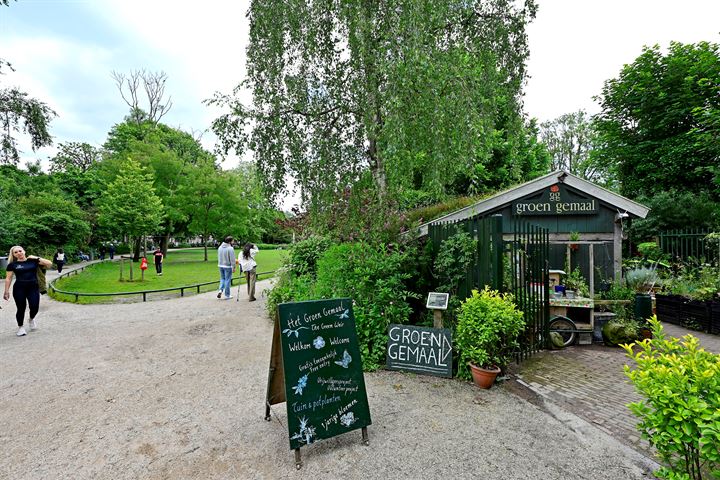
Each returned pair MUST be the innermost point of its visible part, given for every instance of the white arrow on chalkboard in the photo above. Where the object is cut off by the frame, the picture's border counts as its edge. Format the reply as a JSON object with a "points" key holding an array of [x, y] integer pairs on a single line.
{"points": [[445, 353]]}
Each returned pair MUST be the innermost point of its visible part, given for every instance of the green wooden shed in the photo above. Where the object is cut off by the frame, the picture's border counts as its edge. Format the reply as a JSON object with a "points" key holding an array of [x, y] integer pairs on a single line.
{"points": [[575, 211]]}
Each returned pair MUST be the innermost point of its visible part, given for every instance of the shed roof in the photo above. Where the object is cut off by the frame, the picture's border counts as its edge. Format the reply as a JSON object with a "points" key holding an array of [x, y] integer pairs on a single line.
{"points": [[622, 204]]}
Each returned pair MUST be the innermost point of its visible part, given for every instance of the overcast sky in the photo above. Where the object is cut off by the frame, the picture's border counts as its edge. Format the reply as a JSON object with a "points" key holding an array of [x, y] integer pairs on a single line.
{"points": [[64, 51]]}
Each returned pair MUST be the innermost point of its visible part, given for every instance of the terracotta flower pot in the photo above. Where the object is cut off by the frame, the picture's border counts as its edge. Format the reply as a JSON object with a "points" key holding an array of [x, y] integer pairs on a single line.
{"points": [[483, 377]]}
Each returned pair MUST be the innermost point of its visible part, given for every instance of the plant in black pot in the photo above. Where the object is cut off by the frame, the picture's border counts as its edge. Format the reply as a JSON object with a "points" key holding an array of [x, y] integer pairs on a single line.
{"points": [[642, 280], [486, 336]]}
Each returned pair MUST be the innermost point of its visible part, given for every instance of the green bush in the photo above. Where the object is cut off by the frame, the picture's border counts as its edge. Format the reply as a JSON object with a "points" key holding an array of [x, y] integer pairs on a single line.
{"points": [[373, 276], [489, 324], [680, 415], [289, 288], [305, 254], [455, 256]]}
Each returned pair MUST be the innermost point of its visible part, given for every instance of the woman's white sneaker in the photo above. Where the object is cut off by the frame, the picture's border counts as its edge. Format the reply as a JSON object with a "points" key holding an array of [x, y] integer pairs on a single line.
{"points": [[33, 324], [21, 331]]}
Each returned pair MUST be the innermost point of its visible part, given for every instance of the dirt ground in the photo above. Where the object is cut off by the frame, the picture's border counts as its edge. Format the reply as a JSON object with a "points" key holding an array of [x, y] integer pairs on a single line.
{"points": [[175, 389]]}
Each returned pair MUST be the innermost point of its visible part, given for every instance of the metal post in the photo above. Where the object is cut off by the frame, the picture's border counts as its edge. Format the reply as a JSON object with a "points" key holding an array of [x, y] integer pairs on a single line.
{"points": [[365, 438], [298, 460], [144, 296]]}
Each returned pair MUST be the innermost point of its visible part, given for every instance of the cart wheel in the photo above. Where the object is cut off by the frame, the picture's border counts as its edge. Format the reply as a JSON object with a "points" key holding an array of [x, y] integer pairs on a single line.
{"points": [[565, 327]]}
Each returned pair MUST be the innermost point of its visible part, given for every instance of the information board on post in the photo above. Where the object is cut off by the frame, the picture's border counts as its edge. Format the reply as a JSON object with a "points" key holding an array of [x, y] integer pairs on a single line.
{"points": [[420, 350], [322, 369]]}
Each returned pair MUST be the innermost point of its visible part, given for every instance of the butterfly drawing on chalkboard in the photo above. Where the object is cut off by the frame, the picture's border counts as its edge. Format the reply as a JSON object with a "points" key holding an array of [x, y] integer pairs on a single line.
{"points": [[345, 314], [290, 331], [345, 360], [302, 383]]}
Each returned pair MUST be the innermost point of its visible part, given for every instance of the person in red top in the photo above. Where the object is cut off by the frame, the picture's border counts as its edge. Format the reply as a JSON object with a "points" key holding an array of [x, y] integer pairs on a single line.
{"points": [[158, 260], [26, 290]]}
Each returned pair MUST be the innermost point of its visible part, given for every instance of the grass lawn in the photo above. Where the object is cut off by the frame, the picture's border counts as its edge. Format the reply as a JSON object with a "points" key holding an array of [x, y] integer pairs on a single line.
{"points": [[180, 268]]}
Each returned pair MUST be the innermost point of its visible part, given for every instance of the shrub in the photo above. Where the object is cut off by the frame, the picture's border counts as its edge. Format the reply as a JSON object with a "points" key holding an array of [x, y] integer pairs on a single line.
{"points": [[289, 288], [641, 279], [680, 415], [373, 276], [487, 332], [456, 254], [304, 255]]}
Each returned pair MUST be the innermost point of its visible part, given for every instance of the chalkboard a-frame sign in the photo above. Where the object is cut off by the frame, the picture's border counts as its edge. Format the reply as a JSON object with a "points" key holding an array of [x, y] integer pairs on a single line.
{"points": [[315, 367]]}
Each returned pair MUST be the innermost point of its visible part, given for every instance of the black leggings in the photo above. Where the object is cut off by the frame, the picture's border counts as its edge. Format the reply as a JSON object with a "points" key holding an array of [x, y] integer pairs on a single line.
{"points": [[26, 293]]}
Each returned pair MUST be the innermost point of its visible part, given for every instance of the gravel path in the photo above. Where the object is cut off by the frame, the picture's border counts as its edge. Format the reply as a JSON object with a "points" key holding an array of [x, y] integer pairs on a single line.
{"points": [[174, 389]]}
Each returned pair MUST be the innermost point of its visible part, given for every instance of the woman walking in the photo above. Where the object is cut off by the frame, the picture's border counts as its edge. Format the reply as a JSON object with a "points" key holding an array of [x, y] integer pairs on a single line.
{"points": [[26, 290], [59, 259], [247, 262]]}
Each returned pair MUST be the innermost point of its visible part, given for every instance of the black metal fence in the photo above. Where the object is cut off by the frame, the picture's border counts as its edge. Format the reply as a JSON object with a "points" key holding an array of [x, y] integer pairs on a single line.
{"points": [[529, 261], [519, 266], [690, 243]]}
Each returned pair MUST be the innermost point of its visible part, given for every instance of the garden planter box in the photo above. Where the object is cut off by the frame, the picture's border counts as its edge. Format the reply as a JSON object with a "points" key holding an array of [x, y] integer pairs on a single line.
{"points": [[698, 315]]}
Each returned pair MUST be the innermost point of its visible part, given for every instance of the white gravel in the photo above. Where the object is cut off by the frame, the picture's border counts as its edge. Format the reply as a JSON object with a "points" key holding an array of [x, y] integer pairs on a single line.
{"points": [[174, 389]]}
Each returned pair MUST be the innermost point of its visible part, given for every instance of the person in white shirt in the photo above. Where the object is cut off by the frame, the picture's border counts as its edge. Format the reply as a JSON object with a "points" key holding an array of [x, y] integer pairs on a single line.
{"points": [[247, 262]]}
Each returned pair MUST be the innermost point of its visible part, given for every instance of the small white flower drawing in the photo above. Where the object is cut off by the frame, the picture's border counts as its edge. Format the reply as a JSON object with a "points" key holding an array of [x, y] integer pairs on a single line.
{"points": [[319, 342]]}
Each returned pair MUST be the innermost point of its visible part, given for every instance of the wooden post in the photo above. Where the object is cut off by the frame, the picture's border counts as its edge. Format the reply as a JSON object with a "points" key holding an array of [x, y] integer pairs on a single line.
{"points": [[437, 319], [591, 280], [122, 264], [131, 269]]}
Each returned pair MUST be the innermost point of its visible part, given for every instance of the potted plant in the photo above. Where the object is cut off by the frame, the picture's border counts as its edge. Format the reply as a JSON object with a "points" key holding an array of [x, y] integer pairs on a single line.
{"points": [[486, 335], [642, 280], [574, 237], [575, 283]]}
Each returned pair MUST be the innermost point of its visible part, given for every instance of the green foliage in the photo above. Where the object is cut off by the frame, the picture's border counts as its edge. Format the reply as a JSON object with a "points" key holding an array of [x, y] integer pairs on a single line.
{"points": [[575, 281], [437, 108], [570, 139], [304, 255], [51, 221], [374, 277], [657, 129], [620, 330], [487, 332], [641, 279], [676, 209], [19, 114], [700, 282], [455, 256], [130, 205], [680, 415], [431, 212]]}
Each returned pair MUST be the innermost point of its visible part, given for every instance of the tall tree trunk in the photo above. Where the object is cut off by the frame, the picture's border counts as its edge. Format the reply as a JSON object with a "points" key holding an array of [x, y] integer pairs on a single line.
{"points": [[164, 241], [204, 240], [136, 249]]}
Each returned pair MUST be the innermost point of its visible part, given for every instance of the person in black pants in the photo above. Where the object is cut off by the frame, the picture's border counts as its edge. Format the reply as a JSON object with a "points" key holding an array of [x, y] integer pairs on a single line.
{"points": [[26, 290], [158, 261], [59, 259]]}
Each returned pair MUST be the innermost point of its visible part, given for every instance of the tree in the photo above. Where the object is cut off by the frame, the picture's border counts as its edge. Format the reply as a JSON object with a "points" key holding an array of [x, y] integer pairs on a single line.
{"points": [[153, 83], [415, 93], [49, 220], [656, 128], [214, 204], [569, 138], [129, 205], [19, 113], [79, 156]]}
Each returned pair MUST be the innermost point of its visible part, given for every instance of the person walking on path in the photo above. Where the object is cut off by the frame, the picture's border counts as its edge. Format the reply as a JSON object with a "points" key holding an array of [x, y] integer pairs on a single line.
{"points": [[59, 259], [158, 260], [26, 290], [226, 264], [102, 251], [111, 250], [248, 265]]}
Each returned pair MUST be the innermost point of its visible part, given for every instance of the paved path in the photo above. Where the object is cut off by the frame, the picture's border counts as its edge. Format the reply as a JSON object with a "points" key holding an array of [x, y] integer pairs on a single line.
{"points": [[175, 388], [589, 381]]}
